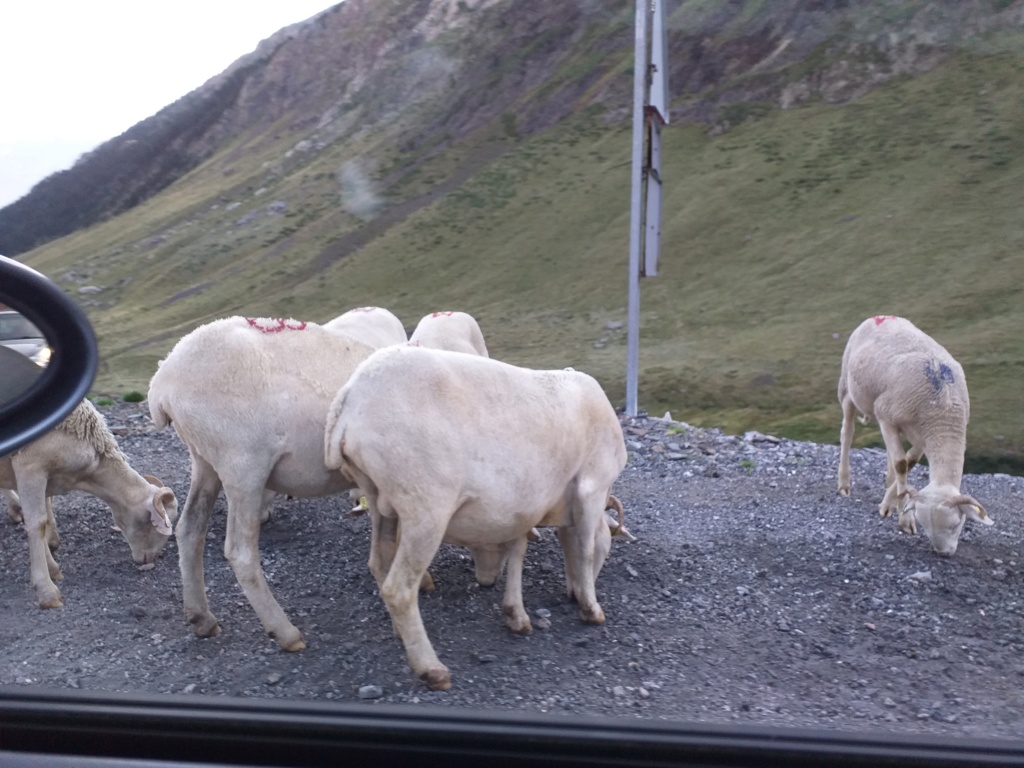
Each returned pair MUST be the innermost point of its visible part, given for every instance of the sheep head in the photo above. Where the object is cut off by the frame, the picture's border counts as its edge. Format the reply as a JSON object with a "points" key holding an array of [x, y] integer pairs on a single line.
{"points": [[941, 511]]}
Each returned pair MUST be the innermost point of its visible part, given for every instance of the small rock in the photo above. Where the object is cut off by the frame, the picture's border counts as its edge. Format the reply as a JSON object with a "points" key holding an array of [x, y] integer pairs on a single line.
{"points": [[370, 692], [619, 691], [544, 613], [921, 576], [542, 624], [274, 678], [190, 688]]}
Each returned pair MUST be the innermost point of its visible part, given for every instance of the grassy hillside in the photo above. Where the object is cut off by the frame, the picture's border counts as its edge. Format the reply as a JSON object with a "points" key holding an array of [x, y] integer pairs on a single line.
{"points": [[779, 237]]}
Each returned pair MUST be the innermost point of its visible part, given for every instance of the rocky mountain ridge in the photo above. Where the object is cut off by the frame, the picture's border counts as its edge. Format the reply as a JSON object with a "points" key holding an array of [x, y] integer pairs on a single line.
{"points": [[431, 72]]}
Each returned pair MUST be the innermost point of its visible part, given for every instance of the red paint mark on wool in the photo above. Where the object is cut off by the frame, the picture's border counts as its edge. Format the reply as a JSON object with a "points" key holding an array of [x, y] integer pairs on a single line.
{"points": [[879, 319], [274, 324], [449, 313]]}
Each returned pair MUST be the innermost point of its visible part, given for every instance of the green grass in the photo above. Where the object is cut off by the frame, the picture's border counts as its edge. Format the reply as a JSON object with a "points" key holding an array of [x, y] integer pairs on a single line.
{"points": [[778, 238]]}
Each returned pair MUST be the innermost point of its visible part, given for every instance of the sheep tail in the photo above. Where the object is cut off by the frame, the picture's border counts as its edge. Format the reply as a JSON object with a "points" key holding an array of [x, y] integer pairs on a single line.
{"points": [[334, 433]]}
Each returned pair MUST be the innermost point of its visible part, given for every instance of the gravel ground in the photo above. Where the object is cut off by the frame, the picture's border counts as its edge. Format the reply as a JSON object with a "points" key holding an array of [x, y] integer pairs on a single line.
{"points": [[754, 594]]}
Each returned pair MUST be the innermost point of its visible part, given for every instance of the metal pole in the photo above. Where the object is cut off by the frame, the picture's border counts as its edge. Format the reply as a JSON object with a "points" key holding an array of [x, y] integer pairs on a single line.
{"points": [[640, 66]]}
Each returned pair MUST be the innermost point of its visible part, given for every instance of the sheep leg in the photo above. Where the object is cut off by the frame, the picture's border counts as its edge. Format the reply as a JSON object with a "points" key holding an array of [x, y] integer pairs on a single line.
{"points": [[386, 533], [897, 460], [13, 506], [191, 535], [42, 567], [383, 542], [52, 537], [14, 514], [568, 558], [241, 548], [846, 442], [400, 592], [267, 507], [913, 456], [512, 604], [578, 543]]}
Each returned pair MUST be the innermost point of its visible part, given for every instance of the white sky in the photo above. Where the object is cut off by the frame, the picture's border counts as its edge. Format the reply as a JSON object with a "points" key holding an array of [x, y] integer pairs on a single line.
{"points": [[74, 73]]}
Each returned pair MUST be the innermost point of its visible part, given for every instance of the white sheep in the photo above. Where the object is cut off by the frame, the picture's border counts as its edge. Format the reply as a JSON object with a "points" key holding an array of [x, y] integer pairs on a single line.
{"points": [[475, 452], [249, 398], [460, 332], [454, 331], [80, 453], [374, 326], [898, 375]]}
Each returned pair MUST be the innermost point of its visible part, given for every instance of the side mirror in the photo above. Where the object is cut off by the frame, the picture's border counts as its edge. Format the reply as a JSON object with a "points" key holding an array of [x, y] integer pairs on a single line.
{"points": [[33, 400]]}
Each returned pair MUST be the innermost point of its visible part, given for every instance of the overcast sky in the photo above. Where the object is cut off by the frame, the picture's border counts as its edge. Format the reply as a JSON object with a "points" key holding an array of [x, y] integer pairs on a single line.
{"points": [[78, 72]]}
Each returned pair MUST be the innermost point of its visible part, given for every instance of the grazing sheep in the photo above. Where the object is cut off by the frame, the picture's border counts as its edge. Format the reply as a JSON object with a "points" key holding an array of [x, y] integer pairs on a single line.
{"points": [[458, 448], [454, 331], [249, 398], [905, 380], [374, 326], [80, 453]]}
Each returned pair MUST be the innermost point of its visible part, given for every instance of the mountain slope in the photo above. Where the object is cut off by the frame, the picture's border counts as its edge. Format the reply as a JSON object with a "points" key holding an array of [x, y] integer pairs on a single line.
{"points": [[475, 156]]}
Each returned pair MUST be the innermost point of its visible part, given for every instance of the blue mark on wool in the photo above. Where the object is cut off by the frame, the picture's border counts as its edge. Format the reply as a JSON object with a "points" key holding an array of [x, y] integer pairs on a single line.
{"points": [[938, 374]]}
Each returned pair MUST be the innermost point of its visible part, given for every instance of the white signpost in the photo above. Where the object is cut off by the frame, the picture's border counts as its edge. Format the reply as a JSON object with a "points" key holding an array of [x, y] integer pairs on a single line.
{"points": [[650, 112]]}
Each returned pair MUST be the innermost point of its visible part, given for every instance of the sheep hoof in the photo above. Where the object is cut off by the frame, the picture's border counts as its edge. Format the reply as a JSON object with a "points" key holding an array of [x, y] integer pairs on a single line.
{"points": [[517, 621], [56, 574], [204, 624], [844, 491], [519, 628], [427, 583], [53, 601], [594, 616], [439, 679], [294, 646]]}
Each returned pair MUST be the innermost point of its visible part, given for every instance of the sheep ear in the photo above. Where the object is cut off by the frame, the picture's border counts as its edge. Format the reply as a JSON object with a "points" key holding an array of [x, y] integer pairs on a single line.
{"points": [[164, 507], [971, 507], [153, 481], [910, 494]]}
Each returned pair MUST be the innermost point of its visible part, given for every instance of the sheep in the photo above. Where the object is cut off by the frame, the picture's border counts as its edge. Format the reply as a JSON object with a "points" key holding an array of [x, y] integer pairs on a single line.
{"points": [[460, 332], [374, 326], [898, 375], [80, 453], [454, 331], [459, 448], [249, 398]]}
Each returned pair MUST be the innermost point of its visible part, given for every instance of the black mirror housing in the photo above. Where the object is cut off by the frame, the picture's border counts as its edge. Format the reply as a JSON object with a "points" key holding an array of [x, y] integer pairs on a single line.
{"points": [[66, 380]]}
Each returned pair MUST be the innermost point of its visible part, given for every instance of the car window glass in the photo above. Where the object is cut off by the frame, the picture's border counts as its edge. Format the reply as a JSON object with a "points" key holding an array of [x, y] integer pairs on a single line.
{"points": [[14, 326]]}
